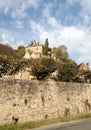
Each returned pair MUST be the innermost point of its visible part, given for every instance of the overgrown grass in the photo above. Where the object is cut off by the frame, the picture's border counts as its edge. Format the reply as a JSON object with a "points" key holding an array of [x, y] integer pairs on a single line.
{"points": [[35, 124]]}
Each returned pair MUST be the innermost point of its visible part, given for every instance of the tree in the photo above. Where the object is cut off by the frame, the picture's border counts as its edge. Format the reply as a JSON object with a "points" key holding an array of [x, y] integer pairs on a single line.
{"points": [[67, 71], [9, 66], [61, 53], [46, 47], [42, 67], [4, 65], [21, 51], [87, 76]]}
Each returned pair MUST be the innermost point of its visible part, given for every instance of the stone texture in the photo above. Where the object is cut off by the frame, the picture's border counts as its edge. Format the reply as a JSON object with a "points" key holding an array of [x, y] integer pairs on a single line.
{"points": [[45, 99]]}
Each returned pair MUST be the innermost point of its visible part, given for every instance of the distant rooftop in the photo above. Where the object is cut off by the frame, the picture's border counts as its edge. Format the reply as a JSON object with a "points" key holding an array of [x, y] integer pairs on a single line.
{"points": [[34, 43]]}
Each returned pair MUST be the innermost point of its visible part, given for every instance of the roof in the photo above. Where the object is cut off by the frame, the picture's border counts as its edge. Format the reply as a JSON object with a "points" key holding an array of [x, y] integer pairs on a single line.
{"points": [[34, 44], [8, 51]]}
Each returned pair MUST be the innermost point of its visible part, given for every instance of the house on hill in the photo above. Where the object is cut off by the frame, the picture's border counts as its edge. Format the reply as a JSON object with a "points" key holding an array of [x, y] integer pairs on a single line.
{"points": [[83, 71], [8, 51], [83, 68], [33, 50]]}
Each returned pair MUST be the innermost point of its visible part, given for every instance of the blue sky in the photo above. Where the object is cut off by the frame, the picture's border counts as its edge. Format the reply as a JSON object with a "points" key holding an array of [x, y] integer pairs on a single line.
{"points": [[63, 22]]}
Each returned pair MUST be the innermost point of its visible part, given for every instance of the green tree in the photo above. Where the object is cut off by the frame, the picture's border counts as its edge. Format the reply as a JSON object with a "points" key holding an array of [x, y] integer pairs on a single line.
{"points": [[4, 65], [67, 71], [9, 66], [21, 51], [61, 53], [46, 47], [42, 67]]}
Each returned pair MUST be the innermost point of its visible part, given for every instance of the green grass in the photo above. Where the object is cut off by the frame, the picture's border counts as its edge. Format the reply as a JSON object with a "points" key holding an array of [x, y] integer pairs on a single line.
{"points": [[36, 124]]}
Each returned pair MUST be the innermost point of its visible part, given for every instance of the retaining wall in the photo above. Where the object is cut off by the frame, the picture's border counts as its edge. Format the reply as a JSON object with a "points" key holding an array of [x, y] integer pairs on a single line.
{"points": [[36, 100]]}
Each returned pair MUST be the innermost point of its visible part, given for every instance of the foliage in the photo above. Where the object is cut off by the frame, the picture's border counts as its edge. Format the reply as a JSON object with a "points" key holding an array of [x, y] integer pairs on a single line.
{"points": [[67, 71], [42, 67], [46, 47], [4, 65], [87, 76], [9, 66], [16, 66], [21, 51], [61, 53]]}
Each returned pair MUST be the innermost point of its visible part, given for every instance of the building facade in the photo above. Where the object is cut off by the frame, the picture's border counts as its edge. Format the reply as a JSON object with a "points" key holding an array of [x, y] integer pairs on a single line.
{"points": [[33, 50]]}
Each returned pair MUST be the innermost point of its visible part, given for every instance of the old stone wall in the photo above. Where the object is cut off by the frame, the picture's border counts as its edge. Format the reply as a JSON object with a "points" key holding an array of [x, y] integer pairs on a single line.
{"points": [[36, 100]]}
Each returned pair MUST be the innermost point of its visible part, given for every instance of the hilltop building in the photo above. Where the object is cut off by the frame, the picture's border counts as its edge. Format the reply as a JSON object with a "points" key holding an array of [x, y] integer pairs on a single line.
{"points": [[33, 50], [83, 68]]}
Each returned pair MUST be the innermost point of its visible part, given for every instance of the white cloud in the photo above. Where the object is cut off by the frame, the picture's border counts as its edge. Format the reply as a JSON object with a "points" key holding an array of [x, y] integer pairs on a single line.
{"points": [[36, 27], [6, 10], [47, 10], [19, 24], [19, 14], [85, 49], [77, 40], [6, 4], [72, 33], [86, 11], [19, 43], [53, 22], [33, 3], [86, 6], [17, 8], [6, 37], [71, 2]]}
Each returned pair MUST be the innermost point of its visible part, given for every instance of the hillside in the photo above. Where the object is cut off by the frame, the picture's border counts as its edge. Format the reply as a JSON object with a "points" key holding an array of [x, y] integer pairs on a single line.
{"points": [[8, 51]]}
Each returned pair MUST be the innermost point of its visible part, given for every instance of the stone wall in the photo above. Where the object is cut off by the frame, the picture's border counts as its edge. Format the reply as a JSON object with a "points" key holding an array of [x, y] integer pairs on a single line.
{"points": [[36, 100]]}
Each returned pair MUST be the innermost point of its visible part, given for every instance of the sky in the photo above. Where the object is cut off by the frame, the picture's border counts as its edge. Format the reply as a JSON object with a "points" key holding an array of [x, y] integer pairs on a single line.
{"points": [[63, 22]]}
